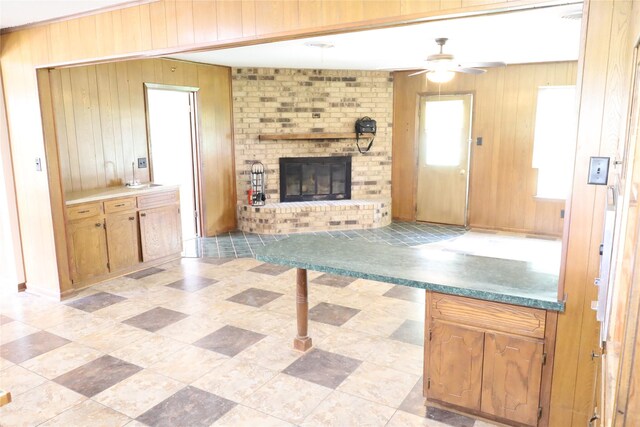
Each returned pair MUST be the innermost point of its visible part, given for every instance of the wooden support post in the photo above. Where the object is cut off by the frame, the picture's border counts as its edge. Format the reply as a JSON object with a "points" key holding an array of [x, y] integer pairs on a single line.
{"points": [[302, 341], [5, 397]]}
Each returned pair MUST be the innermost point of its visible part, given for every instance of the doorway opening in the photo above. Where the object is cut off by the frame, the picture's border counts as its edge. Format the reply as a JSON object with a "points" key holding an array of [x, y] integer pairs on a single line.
{"points": [[174, 149], [443, 170]]}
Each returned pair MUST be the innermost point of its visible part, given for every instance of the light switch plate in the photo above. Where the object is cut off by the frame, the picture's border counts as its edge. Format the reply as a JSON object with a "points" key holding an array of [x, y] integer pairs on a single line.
{"points": [[38, 164], [598, 171]]}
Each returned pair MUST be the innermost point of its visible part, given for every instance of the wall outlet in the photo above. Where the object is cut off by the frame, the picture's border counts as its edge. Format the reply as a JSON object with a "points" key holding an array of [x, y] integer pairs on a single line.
{"points": [[598, 171], [479, 140], [142, 162]]}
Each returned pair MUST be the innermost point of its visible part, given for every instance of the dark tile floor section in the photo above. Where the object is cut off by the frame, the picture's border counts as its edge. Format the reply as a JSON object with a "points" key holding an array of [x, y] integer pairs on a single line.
{"points": [[189, 407], [255, 297], [406, 293], [414, 402], [216, 261], [270, 269], [332, 314], [97, 376], [411, 332], [229, 340], [155, 319], [240, 244], [33, 345], [4, 319], [192, 283], [96, 301], [322, 367], [333, 280], [144, 273], [449, 418]]}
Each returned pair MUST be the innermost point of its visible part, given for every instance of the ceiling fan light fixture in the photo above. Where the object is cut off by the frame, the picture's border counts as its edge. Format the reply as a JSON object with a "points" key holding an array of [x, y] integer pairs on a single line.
{"points": [[440, 76]]}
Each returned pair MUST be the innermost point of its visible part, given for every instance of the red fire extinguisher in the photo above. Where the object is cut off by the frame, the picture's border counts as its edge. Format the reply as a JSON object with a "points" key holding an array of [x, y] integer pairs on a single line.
{"points": [[250, 194]]}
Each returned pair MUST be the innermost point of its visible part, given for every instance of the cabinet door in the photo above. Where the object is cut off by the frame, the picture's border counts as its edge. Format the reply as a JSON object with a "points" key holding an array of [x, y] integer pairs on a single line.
{"points": [[511, 377], [89, 254], [122, 240], [455, 365], [160, 232]]}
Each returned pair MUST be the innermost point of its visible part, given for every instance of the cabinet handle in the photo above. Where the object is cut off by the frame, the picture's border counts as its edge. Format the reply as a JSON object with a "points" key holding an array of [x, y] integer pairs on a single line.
{"points": [[98, 224], [86, 211], [143, 214], [131, 218], [119, 205]]}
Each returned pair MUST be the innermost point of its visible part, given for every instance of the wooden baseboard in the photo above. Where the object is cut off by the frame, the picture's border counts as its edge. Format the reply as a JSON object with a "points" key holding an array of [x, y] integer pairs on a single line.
{"points": [[22, 287], [474, 227]]}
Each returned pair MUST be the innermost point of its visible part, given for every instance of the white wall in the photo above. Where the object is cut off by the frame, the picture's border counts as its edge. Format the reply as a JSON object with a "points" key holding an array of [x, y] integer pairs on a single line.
{"points": [[11, 267]]}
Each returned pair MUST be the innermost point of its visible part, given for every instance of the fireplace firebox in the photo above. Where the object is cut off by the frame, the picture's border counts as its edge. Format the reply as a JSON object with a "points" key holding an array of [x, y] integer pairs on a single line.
{"points": [[305, 179]]}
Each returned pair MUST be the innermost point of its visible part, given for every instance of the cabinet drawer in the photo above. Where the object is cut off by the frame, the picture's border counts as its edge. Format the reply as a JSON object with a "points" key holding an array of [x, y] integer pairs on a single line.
{"points": [[489, 315], [84, 211], [119, 205], [157, 199]]}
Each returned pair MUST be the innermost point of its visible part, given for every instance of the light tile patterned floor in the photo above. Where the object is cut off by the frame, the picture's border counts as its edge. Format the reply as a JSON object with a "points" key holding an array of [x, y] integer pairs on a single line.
{"points": [[199, 342]]}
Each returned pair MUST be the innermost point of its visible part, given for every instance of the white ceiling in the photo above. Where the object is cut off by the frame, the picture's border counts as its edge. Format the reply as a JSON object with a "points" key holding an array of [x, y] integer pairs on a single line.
{"points": [[538, 35], [21, 12]]}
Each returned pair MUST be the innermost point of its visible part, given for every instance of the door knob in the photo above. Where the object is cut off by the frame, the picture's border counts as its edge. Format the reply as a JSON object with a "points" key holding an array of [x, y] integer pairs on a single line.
{"points": [[143, 214], [462, 171], [98, 224]]}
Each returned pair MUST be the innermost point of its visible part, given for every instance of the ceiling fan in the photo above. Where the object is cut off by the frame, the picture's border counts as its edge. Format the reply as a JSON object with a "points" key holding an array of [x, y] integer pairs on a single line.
{"points": [[441, 67]]}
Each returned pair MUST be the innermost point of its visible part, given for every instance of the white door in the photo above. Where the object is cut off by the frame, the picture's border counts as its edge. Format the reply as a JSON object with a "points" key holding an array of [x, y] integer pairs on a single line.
{"points": [[443, 168], [172, 150]]}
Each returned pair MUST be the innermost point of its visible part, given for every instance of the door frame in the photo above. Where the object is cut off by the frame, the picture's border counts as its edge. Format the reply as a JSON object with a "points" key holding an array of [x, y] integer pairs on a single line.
{"points": [[195, 143], [416, 146]]}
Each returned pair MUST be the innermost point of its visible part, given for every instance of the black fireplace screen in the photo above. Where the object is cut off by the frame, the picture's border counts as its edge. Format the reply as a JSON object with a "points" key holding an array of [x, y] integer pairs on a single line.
{"points": [[315, 178]]}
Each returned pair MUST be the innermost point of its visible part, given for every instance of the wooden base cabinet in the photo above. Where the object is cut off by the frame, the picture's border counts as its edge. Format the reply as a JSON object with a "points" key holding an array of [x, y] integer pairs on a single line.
{"points": [[511, 376], [455, 365], [160, 232], [89, 243], [485, 358], [116, 236], [122, 240]]}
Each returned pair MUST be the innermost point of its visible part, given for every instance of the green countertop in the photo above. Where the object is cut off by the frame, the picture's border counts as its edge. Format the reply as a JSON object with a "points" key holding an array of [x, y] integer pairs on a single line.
{"points": [[492, 279]]}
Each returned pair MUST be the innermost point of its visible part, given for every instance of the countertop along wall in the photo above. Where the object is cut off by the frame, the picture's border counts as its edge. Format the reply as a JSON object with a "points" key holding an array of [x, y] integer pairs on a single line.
{"points": [[268, 101]]}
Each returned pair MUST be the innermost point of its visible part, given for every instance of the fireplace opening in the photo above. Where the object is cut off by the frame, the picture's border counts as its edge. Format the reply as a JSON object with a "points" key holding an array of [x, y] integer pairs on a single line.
{"points": [[304, 179]]}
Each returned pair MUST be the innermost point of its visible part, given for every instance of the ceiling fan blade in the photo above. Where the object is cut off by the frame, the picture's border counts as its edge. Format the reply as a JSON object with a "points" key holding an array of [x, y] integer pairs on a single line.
{"points": [[483, 64], [468, 70], [418, 73]]}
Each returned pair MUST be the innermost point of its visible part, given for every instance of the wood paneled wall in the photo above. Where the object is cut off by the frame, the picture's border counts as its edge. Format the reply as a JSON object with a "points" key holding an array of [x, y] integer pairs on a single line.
{"points": [[502, 181], [153, 29], [604, 72], [101, 127], [11, 268]]}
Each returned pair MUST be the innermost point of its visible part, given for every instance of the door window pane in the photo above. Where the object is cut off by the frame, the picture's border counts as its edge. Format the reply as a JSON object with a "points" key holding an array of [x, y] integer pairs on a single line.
{"points": [[443, 127]]}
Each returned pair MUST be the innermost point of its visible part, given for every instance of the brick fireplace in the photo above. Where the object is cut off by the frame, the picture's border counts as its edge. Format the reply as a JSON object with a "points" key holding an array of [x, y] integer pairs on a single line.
{"points": [[286, 101]]}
